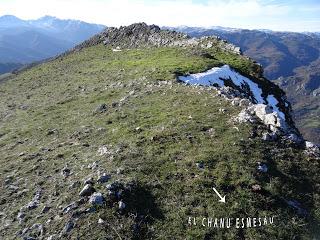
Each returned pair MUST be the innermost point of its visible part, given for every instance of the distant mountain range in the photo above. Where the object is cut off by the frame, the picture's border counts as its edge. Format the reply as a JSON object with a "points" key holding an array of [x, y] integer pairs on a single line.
{"points": [[26, 41], [290, 59]]}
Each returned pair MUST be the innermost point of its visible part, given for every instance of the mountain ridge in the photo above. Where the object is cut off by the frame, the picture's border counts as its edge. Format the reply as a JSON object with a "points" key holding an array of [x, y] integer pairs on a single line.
{"points": [[114, 140], [19, 44]]}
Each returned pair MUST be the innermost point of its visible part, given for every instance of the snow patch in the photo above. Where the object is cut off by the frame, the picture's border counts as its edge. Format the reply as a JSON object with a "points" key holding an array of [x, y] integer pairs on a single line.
{"points": [[218, 75], [272, 101]]}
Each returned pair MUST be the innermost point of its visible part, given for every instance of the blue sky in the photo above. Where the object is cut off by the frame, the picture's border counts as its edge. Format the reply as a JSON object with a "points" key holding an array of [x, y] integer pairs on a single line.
{"points": [[280, 15]]}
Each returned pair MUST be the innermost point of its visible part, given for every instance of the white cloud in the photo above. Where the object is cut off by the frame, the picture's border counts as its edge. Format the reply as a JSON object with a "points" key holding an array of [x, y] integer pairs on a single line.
{"points": [[232, 13]]}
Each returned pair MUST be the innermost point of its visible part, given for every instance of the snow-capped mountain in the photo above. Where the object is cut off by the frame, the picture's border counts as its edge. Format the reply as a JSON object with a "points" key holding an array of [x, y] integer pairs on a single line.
{"points": [[26, 41]]}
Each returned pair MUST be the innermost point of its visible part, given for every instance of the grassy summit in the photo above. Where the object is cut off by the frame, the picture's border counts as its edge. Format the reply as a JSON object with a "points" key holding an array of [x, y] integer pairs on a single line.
{"points": [[123, 113]]}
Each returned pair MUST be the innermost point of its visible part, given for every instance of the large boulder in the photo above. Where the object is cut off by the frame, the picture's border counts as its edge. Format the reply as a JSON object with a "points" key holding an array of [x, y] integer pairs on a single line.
{"points": [[268, 116]]}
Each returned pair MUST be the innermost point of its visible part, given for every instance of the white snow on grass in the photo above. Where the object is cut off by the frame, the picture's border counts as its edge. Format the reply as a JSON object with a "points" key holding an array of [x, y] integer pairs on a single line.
{"points": [[216, 75]]}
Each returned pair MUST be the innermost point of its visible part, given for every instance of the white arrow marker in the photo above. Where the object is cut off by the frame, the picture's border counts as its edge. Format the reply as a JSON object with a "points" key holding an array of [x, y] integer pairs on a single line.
{"points": [[222, 199]]}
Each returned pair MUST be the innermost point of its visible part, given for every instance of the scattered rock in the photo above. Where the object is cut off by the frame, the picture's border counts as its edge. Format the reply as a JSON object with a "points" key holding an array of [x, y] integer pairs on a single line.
{"points": [[70, 207], [21, 216], [101, 108], [262, 167], [89, 180], [94, 165], [256, 188], [45, 209], [87, 190], [222, 110], [269, 117], [36, 231], [103, 150], [35, 201], [311, 147], [138, 129], [121, 205], [200, 165], [68, 227], [66, 172], [100, 221], [96, 199], [104, 178], [115, 104], [120, 170], [244, 116], [52, 131], [244, 102]]}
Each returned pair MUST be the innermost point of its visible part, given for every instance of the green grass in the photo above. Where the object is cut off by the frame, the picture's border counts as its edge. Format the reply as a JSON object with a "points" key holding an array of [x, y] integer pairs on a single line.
{"points": [[161, 157]]}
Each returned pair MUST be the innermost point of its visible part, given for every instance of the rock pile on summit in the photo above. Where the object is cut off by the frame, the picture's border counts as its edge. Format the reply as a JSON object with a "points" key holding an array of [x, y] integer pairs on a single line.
{"points": [[143, 35]]}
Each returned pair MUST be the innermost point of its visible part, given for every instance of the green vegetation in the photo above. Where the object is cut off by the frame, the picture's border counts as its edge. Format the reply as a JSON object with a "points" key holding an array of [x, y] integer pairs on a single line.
{"points": [[157, 130]]}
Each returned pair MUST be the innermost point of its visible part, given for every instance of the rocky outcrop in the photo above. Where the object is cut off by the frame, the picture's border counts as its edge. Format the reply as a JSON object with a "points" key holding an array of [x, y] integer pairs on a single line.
{"points": [[143, 35]]}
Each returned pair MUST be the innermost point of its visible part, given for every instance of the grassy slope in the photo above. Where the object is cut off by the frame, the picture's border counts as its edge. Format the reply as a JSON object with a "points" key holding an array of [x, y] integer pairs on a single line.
{"points": [[161, 157]]}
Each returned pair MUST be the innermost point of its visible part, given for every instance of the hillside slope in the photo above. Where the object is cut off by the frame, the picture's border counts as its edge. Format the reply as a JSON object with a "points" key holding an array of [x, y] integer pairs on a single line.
{"points": [[114, 117]]}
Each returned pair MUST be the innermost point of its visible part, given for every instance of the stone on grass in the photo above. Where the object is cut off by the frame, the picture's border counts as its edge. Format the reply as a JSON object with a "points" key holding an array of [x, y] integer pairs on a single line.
{"points": [[101, 108], [89, 181], [96, 199], [121, 205], [100, 221], [87, 190], [256, 188], [200, 165], [262, 167], [103, 178], [68, 227], [66, 172]]}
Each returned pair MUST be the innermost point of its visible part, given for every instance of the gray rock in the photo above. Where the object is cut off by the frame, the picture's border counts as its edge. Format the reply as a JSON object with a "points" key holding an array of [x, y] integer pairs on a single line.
{"points": [[262, 167], [104, 178], [66, 172], [34, 232], [101, 108], [200, 165], [87, 190], [268, 116], [311, 146], [89, 180], [45, 209], [68, 227], [96, 199], [100, 221], [244, 102], [120, 170], [235, 101], [32, 205], [121, 205], [244, 116], [21, 216], [70, 207]]}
